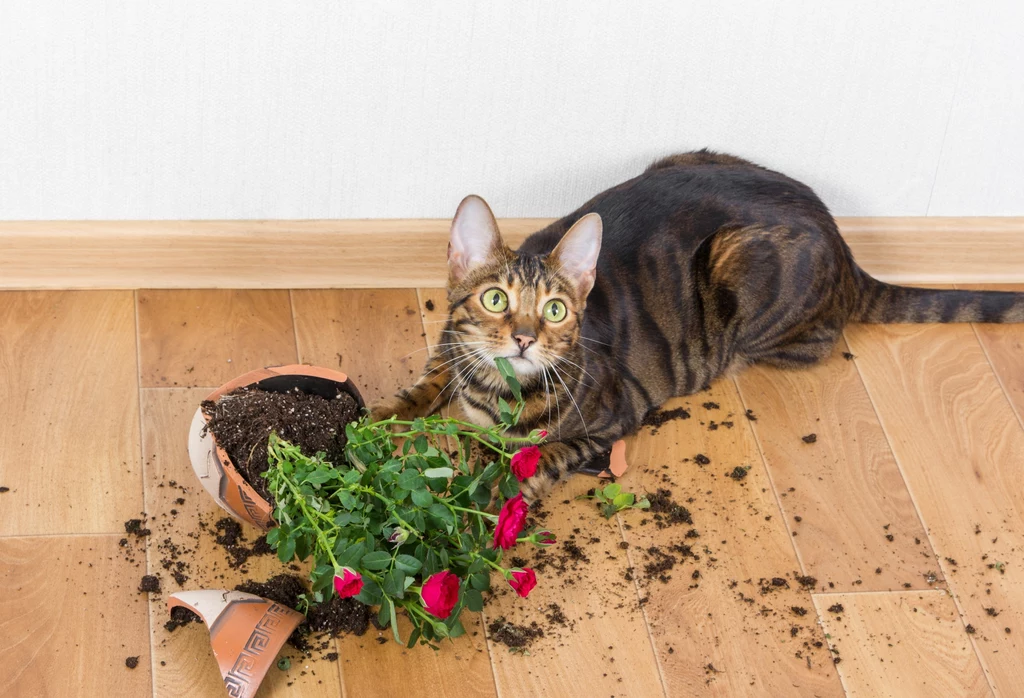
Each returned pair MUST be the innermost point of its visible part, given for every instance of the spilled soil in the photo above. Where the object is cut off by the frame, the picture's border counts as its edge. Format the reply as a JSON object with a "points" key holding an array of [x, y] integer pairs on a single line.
{"points": [[243, 420]]}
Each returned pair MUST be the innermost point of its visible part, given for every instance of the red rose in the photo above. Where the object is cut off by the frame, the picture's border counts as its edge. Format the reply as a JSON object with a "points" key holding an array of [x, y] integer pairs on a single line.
{"points": [[440, 593], [524, 462], [523, 581], [348, 583], [510, 522]]}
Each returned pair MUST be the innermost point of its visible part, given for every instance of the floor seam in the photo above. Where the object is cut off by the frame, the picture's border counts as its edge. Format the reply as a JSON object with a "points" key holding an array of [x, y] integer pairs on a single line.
{"points": [[639, 598], [142, 463], [295, 326], [927, 529]]}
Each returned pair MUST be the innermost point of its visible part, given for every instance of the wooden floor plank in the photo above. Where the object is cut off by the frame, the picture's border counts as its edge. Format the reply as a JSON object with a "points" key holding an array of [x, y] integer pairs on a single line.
{"points": [[844, 497], [1004, 345], [434, 311], [606, 647], [69, 619], [206, 337], [901, 645], [369, 334], [960, 447], [720, 625], [69, 444], [183, 662]]}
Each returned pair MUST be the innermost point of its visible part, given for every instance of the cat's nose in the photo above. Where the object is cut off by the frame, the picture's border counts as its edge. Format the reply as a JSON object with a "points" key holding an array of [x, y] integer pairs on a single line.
{"points": [[524, 339]]}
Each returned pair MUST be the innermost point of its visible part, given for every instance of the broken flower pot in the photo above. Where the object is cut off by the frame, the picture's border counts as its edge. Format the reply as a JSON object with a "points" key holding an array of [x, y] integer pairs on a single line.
{"points": [[246, 633], [211, 463]]}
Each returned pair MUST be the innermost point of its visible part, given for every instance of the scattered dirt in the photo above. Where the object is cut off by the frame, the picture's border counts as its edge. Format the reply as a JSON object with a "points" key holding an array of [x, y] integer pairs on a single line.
{"points": [[657, 418], [134, 527], [180, 616], [339, 616], [243, 420], [739, 472], [332, 618], [429, 305], [666, 511], [711, 406], [809, 439], [701, 459], [150, 584], [749, 414], [517, 637], [848, 356], [132, 662], [4, 489]]}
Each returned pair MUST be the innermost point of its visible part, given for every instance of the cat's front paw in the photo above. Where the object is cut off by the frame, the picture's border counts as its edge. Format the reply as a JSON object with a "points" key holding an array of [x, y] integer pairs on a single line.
{"points": [[537, 487], [385, 409]]}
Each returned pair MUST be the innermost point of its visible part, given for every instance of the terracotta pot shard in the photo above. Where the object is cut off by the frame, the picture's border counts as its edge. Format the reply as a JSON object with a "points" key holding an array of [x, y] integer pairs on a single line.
{"points": [[246, 633], [211, 463]]}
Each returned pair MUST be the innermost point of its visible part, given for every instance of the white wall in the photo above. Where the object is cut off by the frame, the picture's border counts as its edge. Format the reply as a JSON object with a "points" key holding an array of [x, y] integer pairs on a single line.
{"points": [[189, 109]]}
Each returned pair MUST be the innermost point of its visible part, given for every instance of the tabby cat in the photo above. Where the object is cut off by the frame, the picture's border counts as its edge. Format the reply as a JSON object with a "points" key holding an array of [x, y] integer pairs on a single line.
{"points": [[707, 262]]}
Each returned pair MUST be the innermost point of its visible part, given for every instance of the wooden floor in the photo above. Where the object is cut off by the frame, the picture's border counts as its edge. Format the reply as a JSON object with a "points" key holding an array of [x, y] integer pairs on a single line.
{"points": [[907, 510]]}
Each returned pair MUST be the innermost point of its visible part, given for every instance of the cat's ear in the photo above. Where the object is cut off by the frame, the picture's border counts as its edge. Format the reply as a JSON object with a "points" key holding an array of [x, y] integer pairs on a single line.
{"points": [[475, 239], [576, 253]]}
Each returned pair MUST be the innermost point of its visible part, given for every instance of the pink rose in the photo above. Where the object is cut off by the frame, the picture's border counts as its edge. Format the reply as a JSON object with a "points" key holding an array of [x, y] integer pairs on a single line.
{"points": [[524, 462], [348, 582], [523, 581], [510, 522], [440, 593]]}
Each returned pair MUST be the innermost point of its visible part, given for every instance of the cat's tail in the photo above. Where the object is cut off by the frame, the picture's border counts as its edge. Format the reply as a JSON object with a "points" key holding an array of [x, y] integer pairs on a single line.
{"points": [[880, 302]]}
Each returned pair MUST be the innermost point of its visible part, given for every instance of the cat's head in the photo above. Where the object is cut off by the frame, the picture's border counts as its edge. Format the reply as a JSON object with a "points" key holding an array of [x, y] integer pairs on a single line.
{"points": [[526, 308]]}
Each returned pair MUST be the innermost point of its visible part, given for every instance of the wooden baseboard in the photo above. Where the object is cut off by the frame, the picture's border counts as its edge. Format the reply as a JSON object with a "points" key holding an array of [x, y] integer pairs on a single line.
{"points": [[411, 253]]}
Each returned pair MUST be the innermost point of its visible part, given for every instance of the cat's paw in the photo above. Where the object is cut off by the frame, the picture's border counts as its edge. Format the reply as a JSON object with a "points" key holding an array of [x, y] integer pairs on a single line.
{"points": [[385, 410], [537, 487]]}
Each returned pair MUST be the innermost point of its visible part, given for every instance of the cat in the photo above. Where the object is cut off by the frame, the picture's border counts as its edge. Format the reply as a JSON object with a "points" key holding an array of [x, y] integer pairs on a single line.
{"points": [[700, 265]]}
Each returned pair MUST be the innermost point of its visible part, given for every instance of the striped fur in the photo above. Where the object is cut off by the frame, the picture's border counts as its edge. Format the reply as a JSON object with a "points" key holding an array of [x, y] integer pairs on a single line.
{"points": [[708, 262]]}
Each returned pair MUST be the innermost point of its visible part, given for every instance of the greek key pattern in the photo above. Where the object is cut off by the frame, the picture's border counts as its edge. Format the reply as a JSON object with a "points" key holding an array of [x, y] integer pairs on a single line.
{"points": [[251, 508], [239, 679]]}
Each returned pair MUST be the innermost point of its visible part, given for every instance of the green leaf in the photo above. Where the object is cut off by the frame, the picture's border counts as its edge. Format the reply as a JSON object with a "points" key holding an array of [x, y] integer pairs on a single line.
{"points": [[394, 625], [411, 480], [474, 600], [371, 595], [623, 500], [422, 498], [286, 550], [408, 564], [481, 496], [394, 583], [644, 503], [480, 581], [421, 444], [319, 477], [509, 486], [612, 490], [384, 613], [376, 561], [608, 510], [347, 499], [440, 511], [438, 472], [272, 536], [413, 638], [352, 555], [457, 629]]}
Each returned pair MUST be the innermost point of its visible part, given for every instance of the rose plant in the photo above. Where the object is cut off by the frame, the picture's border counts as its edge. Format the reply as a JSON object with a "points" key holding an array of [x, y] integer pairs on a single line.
{"points": [[407, 522]]}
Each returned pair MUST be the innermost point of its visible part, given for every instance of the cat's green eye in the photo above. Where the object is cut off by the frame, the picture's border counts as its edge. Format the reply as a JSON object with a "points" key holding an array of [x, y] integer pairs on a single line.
{"points": [[495, 300], [554, 311]]}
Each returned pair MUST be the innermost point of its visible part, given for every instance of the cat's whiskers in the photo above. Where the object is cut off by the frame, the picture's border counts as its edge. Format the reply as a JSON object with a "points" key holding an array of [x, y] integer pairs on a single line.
{"points": [[558, 406], [471, 355], [588, 339], [468, 376], [565, 360], [441, 367], [435, 346], [578, 410]]}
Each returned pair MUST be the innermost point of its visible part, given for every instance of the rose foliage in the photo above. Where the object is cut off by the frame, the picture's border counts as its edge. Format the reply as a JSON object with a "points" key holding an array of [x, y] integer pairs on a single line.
{"points": [[407, 522]]}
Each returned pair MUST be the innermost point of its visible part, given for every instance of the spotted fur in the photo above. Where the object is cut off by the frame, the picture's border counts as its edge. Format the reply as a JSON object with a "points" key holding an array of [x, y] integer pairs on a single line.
{"points": [[708, 262]]}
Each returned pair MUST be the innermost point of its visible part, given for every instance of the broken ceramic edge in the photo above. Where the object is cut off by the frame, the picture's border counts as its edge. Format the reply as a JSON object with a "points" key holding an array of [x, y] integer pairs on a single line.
{"points": [[609, 464], [246, 633], [211, 463]]}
